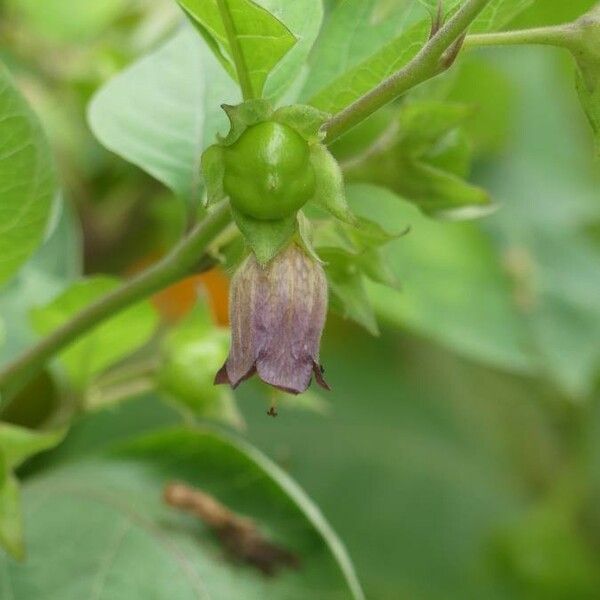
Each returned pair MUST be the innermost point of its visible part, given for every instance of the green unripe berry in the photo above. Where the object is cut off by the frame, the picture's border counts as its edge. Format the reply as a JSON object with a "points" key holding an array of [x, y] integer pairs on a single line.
{"points": [[188, 371], [268, 173]]}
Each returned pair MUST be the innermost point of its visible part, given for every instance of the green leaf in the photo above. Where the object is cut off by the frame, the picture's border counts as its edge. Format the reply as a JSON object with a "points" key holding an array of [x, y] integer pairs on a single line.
{"points": [[494, 16], [330, 193], [347, 88], [105, 344], [564, 565], [11, 517], [426, 425], [56, 263], [483, 86], [551, 12], [327, 233], [453, 288], [192, 354], [354, 31], [303, 19], [498, 14], [387, 54], [161, 112], [375, 266], [17, 443], [347, 284], [424, 156], [351, 256], [552, 266], [306, 120], [361, 235], [440, 193], [135, 541], [425, 124], [367, 233], [566, 321], [68, 20], [27, 179], [266, 238], [245, 37], [351, 252]]}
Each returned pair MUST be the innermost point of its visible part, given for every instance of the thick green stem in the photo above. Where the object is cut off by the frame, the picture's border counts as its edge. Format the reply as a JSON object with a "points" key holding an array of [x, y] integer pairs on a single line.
{"points": [[558, 35], [236, 51], [426, 64], [173, 267]]}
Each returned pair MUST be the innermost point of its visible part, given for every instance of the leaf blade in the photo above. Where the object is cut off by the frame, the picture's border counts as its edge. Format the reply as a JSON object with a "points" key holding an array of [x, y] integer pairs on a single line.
{"points": [[391, 53], [453, 291], [123, 489], [161, 113], [11, 518], [105, 344], [18, 443], [246, 38], [27, 179]]}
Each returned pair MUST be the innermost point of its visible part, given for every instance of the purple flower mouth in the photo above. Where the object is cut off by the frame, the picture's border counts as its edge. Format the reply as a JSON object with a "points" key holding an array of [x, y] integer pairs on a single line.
{"points": [[277, 316]]}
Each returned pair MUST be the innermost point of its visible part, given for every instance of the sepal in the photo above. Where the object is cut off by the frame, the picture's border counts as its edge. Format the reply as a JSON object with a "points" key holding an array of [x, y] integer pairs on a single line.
{"points": [[266, 238], [213, 171], [244, 115], [330, 192], [306, 120], [305, 236]]}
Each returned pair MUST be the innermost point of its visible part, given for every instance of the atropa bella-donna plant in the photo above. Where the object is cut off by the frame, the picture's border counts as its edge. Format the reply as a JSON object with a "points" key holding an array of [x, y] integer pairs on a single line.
{"points": [[279, 180]]}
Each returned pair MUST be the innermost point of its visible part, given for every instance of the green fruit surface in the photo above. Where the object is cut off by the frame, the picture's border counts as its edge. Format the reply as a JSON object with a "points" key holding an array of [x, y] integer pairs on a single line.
{"points": [[268, 173]]}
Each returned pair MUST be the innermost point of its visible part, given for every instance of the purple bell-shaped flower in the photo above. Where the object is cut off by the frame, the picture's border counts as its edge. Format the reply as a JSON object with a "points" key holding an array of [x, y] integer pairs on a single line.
{"points": [[277, 314]]}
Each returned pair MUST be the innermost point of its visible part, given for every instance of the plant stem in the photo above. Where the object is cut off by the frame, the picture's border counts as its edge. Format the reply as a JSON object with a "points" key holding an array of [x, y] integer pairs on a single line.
{"points": [[236, 51], [558, 35], [176, 265], [426, 64]]}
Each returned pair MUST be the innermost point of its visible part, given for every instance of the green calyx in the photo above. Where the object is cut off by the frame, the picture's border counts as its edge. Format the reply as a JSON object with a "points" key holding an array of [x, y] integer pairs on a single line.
{"points": [[270, 165], [268, 173]]}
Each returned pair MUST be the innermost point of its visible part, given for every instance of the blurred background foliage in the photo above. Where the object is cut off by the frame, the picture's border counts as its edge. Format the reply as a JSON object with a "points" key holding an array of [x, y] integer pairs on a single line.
{"points": [[459, 454]]}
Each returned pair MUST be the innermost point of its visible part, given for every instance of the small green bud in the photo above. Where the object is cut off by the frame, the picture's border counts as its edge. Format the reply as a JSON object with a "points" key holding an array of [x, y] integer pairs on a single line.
{"points": [[191, 353], [268, 172], [187, 371]]}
